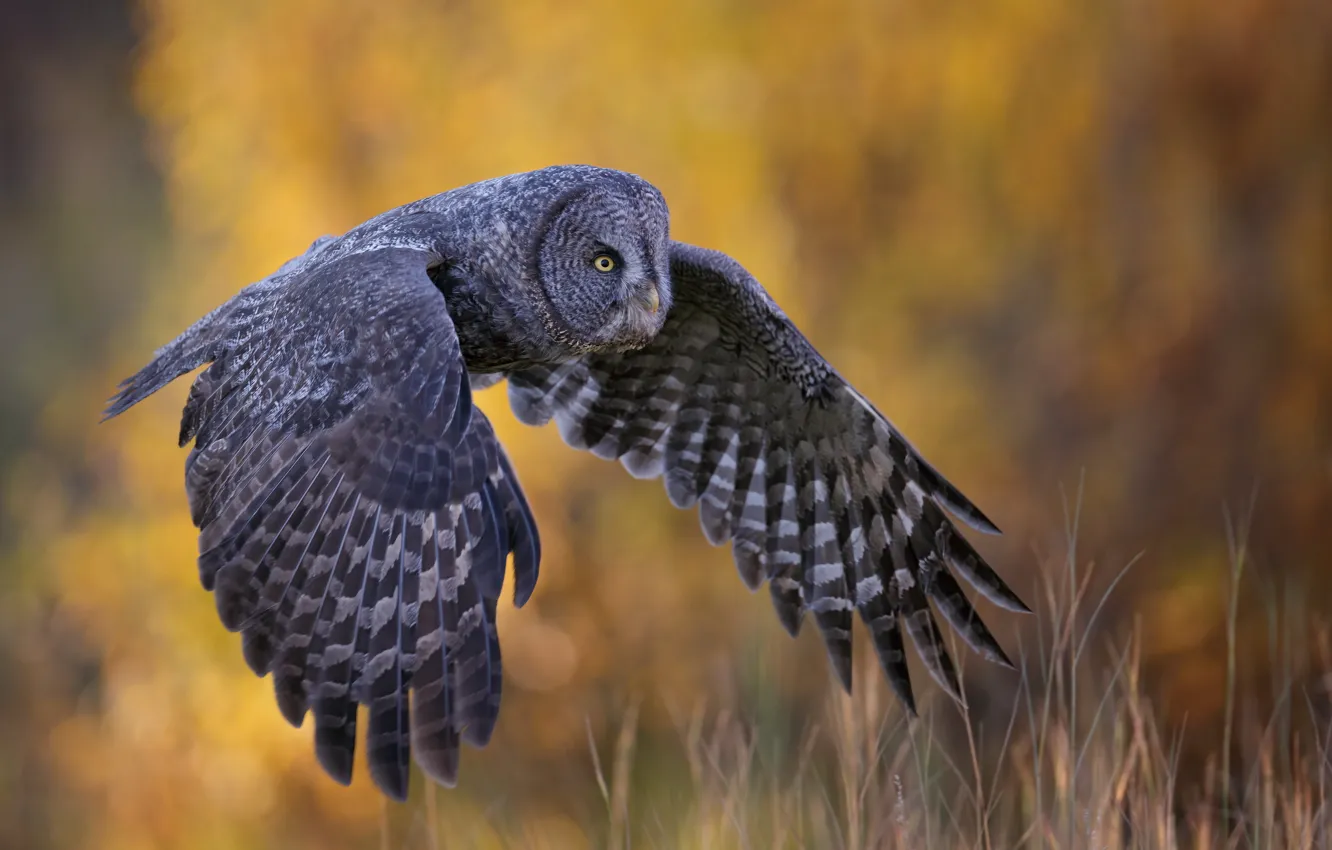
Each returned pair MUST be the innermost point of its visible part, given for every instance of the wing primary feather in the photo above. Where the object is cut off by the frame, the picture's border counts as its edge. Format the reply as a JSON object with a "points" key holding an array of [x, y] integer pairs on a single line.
{"points": [[434, 732], [748, 507], [490, 551], [221, 539], [959, 553], [961, 616], [234, 578], [294, 566], [958, 504], [891, 649], [525, 540], [919, 622], [878, 609], [643, 439], [715, 483], [824, 574], [783, 543], [471, 658], [278, 534], [368, 621], [482, 727], [610, 412], [684, 452], [261, 634], [631, 398], [335, 609], [386, 745], [335, 708], [532, 392], [299, 643]]}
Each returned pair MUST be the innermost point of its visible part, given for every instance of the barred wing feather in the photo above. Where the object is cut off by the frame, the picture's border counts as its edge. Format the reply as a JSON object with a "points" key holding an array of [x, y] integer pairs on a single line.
{"points": [[816, 491], [355, 511]]}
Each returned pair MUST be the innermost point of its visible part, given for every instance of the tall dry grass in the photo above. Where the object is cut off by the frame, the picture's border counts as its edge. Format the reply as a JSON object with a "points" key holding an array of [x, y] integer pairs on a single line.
{"points": [[1078, 762]]}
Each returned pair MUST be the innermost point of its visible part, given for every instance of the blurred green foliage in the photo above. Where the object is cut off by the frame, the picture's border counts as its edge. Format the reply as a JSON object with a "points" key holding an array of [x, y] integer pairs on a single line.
{"points": [[1056, 242]]}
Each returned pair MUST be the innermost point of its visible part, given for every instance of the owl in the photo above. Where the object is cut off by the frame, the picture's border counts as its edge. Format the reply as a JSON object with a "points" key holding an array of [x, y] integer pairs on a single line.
{"points": [[357, 514]]}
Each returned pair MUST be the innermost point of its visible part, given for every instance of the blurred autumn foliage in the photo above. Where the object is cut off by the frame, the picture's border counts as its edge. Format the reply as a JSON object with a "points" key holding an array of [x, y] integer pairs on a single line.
{"points": [[1068, 247]]}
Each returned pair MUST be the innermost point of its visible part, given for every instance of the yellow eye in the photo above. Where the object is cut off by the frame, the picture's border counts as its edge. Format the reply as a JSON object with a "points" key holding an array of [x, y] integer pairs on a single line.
{"points": [[603, 263]]}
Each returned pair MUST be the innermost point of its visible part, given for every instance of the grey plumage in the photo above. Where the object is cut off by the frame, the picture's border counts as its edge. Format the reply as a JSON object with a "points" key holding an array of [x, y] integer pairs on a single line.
{"points": [[356, 512]]}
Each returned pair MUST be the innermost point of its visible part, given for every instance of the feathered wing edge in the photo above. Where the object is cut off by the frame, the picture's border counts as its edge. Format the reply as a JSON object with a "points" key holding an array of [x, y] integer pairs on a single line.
{"points": [[345, 600], [821, 498], [349, 602]]}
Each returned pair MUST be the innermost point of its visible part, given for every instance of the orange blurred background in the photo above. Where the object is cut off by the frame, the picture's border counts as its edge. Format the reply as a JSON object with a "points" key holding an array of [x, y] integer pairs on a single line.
{"points": [[1067, 247]]}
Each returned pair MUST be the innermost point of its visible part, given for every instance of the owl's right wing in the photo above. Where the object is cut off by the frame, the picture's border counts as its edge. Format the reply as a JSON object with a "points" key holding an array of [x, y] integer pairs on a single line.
{"points": [[817, 492], [355, 511]]}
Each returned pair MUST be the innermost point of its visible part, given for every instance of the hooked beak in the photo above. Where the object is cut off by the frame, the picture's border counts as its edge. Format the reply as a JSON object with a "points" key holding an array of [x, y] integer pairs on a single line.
{"points": [[651, 299]]}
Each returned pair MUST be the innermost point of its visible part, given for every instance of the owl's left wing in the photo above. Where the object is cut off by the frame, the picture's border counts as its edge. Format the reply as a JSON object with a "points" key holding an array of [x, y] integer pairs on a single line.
{"points": [[355, 511], [817, 492]]}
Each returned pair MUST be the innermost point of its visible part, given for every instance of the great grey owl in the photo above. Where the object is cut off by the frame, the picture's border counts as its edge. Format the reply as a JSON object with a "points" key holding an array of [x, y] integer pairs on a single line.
{"points": [[357, 513]]}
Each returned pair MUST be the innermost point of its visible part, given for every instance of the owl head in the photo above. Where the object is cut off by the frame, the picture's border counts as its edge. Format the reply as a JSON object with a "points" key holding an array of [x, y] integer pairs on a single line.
{"points": [[559, 262], [601, 259]]}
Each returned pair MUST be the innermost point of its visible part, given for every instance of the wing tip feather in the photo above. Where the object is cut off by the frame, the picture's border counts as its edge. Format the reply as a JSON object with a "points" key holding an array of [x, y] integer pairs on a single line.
{"points": [[336, 762], [391, 777]]}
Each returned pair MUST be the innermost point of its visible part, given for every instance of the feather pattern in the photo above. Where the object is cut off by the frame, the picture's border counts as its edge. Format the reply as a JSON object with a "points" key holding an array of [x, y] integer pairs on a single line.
{"points": [[355, 512], [817, 492]]}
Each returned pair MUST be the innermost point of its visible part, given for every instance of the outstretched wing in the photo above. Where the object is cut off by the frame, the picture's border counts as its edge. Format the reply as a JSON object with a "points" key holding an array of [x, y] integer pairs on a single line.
{"points": [[815, 489], [355, 511]]}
